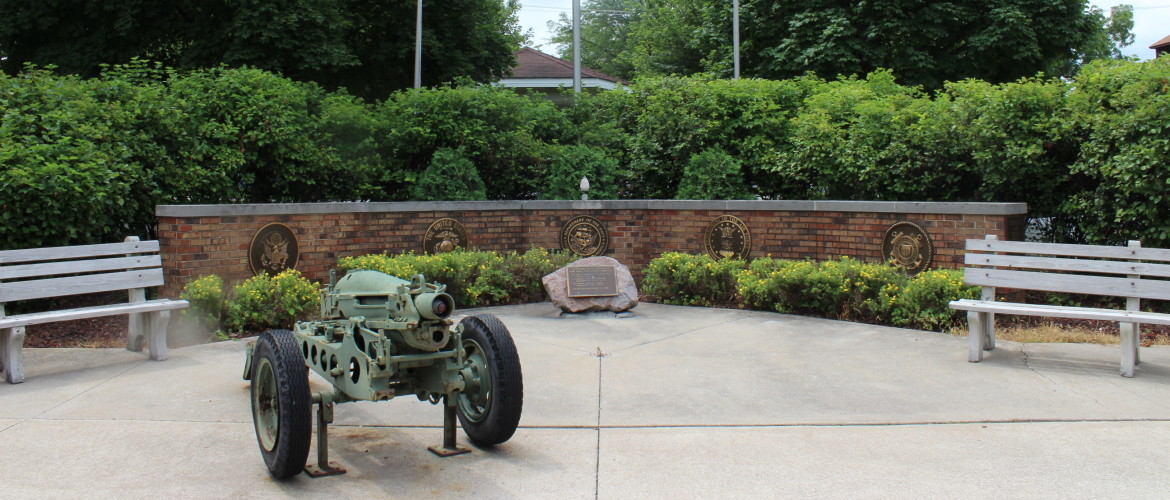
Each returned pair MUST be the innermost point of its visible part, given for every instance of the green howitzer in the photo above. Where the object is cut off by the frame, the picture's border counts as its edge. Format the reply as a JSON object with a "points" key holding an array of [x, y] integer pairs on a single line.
{"points": [[381, 337]]}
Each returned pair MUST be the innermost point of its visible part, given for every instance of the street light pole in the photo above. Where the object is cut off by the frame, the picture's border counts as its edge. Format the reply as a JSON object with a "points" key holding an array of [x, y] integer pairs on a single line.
{"points": [[418, 48], [734, 33], [576, 45]]}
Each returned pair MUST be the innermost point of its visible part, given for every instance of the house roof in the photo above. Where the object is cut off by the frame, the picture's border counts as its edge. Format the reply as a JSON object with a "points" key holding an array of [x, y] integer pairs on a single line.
{"points": [[1165, 42], [532, 63]]}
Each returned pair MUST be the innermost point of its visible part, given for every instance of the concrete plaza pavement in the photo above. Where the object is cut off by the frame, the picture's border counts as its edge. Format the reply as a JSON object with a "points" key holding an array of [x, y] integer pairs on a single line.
{"points": [[671, 402]]}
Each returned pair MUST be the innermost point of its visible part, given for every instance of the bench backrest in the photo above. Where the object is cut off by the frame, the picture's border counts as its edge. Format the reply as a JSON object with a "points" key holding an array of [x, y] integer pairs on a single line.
{"points": [[37, 273], [1130, 271]]}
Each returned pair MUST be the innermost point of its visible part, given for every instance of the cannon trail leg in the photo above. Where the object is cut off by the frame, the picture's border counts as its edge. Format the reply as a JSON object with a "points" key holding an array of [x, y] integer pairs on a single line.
{"points": [[323, 467], [449, 447]]}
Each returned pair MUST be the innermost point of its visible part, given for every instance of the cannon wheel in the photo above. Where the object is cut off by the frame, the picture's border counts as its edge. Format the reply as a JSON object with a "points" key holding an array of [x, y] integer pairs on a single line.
{"points": [[489, 408], [282, 407]]}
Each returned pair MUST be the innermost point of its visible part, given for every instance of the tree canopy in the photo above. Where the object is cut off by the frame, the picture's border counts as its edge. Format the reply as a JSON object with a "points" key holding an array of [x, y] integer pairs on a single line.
{"points": [[924, 42], [365, 46]]}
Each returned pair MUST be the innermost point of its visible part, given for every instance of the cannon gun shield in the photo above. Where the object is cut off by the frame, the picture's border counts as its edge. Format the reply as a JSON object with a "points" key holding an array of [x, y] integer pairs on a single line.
{"points": [[490, 405]]}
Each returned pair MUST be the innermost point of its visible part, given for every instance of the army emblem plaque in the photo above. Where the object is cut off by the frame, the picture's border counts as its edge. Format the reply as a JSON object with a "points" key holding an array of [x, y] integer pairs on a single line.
{"points": [[585, 236], [274, 248], [444, 235], [727, 237], [907, 246]]}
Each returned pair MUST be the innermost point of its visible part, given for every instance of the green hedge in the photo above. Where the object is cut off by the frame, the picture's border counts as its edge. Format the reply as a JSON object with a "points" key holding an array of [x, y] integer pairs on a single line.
{"points": [[840, 289], [86, 161], [473, 278]]}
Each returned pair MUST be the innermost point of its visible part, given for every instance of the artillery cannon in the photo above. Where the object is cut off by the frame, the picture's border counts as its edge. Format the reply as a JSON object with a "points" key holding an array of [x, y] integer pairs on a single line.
{"points": [[381, 337]]}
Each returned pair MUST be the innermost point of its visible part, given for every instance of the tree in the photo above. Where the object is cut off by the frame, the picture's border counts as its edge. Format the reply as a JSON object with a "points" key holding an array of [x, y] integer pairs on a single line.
{"points": [[606, 45], [924, 42], [366, 46], [628, 38], [1114, 32]]}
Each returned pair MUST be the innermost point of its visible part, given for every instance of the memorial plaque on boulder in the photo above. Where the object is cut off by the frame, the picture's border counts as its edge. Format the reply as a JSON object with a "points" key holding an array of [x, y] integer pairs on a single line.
{"points": [[592, 284], [590, 281]]}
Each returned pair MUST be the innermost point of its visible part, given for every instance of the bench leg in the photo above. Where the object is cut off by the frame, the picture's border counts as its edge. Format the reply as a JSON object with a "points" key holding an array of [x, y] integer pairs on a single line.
{"points": [[137, 328], [11, 342], [1129, 348], [976, 335], [158, 322], [151, 329]]}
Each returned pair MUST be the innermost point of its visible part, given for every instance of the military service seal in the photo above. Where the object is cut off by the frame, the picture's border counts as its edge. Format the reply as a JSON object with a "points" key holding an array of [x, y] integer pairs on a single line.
{"points": [[907, 246], [727, 237], [444, 235], [585, 236], [274, 248]]}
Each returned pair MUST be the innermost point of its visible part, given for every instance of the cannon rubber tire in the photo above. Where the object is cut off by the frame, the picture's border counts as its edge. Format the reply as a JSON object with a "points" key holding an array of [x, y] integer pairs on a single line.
{"points": [[280, 375], [501, 415]]}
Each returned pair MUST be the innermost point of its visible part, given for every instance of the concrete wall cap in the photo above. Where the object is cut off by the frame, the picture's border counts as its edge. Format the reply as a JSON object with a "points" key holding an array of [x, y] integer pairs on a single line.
{"points": [[899, 207]]}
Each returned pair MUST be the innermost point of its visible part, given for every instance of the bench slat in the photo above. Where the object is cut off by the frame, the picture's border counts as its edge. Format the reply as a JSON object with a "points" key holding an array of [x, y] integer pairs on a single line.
{"points": [[77, 285], [1061, 311], [1068, 283], [1074, 265], [91, 312], [1069, 250], [77, 252], [79, 266]]}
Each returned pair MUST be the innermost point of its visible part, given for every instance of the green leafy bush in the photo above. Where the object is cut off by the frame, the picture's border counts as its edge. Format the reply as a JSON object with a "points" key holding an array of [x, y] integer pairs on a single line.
{"points": [[258, 303], [845, 288], [473, 278], [504, 134], [922, 300], [568, 164], [450, 176], [713, 175], [692, 280], [206, 296], [1122, 110], [841, 289]]}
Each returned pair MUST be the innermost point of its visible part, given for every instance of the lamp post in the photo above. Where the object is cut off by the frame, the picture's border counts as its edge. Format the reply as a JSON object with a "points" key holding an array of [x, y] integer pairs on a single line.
{"points": [[418, 48], [734, 34], [576, 45]]}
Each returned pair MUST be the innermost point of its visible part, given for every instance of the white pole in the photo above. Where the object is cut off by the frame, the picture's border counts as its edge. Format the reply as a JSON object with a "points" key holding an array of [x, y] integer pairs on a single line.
{"points": [[418, 48], [735, 34], [576, 45]]}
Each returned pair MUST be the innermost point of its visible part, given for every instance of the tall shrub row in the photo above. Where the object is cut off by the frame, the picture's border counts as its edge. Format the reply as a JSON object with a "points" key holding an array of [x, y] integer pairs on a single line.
{"points": [[87, 160]]}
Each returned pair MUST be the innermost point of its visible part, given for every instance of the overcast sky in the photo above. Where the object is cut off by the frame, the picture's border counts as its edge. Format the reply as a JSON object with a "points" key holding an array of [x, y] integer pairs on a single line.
{"points": [[1151, 21]]}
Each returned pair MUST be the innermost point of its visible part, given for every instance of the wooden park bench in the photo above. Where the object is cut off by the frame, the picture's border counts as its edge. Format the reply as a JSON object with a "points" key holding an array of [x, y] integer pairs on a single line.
{"points": [[39, 273], [1132, 272]]}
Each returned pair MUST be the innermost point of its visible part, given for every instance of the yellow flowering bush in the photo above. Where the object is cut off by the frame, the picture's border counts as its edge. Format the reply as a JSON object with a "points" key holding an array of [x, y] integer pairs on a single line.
{"points": [[205, 294], [923, 300], [692, 280], [843, 288], [259, 303], [473, 278]]}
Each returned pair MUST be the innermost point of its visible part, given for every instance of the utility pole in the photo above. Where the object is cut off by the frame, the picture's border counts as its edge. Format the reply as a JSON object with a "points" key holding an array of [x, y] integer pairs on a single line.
{"points": [[418, 48], [576, 45], [734, 33]]}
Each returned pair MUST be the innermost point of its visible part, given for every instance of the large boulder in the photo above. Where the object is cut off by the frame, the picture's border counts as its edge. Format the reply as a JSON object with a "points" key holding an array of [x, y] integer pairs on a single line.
{"points": [[626, 297]]}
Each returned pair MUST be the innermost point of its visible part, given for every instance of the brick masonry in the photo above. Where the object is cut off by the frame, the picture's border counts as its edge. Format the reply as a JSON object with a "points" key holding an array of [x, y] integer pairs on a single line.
{"points": [[214, 239]]}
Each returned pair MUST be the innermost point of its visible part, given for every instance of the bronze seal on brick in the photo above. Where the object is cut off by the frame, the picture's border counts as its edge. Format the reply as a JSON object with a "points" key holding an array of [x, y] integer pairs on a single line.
{"points": [[444, 235], [585, 236], [274, 248], [907, 246], [727, 237]]}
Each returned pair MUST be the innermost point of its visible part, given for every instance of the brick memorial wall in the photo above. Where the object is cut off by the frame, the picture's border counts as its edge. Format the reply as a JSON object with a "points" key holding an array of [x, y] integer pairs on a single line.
{"points": [[219, 239]]}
